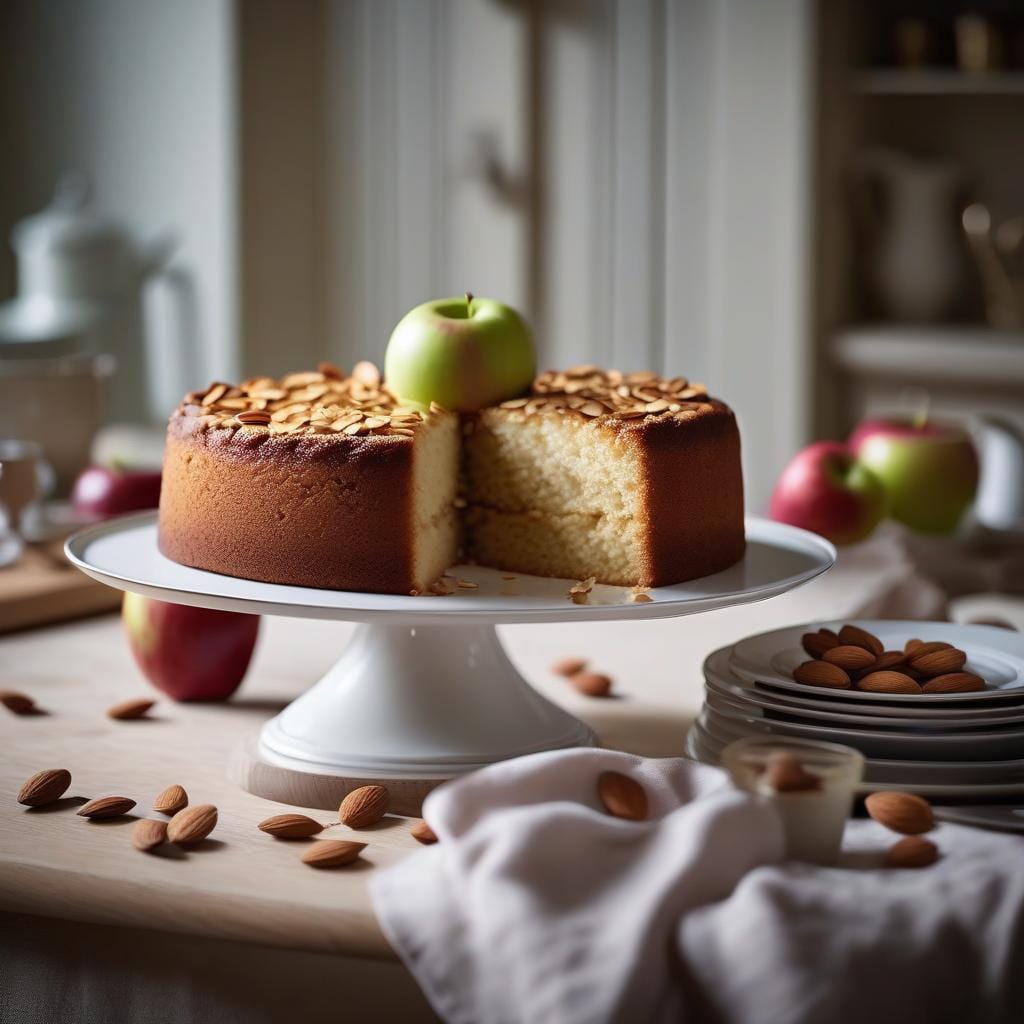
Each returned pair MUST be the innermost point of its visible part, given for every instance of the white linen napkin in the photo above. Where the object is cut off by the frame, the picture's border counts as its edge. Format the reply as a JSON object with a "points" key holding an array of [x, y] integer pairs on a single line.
{"points": [[536, 906]]}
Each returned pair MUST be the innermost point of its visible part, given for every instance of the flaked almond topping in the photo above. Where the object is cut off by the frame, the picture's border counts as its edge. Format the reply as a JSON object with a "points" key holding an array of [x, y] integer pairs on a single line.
{"points": [[326, 402], [253, 418]]}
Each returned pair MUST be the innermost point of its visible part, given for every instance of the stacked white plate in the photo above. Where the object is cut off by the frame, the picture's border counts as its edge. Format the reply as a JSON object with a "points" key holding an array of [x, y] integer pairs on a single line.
{"points": [[956, 746]]}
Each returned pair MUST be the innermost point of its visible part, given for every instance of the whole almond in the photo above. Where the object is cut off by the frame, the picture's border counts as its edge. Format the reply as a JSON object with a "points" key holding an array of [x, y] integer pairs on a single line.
{"points": [[927, 648], [938, 663], [17, 703], [44, 787], [423, 833], [786, 774], [857, 637], [106, 807], [332, 853], [912, 645], [821, 673], [591, 684], [888, 682], [954, 682], [290, 826], [129, 709], [901, 812], [148, 834], [912, 852], [816, 644], [193, 824], [171, 800], [849, 658], [622, 796], [569, 666], [889, 660], [363, 807]]}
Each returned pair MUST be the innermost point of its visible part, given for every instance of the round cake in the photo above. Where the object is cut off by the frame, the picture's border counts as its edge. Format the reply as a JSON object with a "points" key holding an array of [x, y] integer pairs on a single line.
{"points": [[326, 479]]}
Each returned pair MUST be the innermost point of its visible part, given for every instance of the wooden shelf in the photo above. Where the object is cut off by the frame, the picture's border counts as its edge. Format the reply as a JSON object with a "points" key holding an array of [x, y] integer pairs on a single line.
{"points": [[938, 82], [966, 353]]}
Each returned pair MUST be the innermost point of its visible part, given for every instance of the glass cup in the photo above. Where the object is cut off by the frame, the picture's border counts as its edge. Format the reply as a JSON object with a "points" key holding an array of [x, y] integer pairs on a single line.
{"points": [[813, 820]]}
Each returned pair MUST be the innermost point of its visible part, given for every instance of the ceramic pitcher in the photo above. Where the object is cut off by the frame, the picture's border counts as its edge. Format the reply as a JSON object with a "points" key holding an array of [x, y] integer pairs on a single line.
{"points": [[916, 263]]}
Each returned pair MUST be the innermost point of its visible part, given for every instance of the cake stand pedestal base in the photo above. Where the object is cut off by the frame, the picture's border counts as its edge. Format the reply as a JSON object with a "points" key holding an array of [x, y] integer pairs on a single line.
{"points": [[408, 707]]}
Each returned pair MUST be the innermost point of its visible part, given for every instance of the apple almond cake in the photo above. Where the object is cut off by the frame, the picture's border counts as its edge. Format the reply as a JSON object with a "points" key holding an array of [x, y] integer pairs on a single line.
{"points": [[330, 480]]}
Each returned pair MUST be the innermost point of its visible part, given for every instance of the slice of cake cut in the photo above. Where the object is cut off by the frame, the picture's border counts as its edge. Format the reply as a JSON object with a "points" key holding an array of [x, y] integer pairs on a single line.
{"points": [[632, 479], [317, 479]]}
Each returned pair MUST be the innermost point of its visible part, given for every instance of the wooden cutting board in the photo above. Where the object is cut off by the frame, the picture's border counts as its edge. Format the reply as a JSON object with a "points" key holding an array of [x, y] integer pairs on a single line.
{"points": [[43, 587]]}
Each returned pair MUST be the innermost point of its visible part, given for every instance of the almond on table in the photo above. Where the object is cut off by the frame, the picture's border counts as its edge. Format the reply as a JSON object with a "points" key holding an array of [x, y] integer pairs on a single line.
{"points": [[44, 787], [591, 684], [106, 807], [332, 853], [192, 825], [290, 826], [171, 800], [17, 703], [364, 806]]}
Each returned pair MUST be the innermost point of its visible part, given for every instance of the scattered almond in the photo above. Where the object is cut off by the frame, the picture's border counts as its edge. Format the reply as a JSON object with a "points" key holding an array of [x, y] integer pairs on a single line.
{"points": [[148, 834], [954, 682], [423, 833], [816, 644], [849, 658], [938, 663], [786, 774], [290, 826], [130, 709], [44, 787], [569, 666], [901, 812], [106, 807], [591, 684], [888, 682], [622, 796], [640, 598], [192, 825], [858, 637], [363, 807], [332, 853], [171, 800], [821, 673], [912, 852], [17, 703]]}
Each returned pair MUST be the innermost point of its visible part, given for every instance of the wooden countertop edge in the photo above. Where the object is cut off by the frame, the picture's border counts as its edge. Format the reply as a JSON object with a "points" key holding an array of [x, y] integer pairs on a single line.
{"points": [[26, 888]]}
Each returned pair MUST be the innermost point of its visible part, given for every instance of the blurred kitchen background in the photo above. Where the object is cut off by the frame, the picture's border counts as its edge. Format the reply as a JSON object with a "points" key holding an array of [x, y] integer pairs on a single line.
{"points": [[816, 208]]}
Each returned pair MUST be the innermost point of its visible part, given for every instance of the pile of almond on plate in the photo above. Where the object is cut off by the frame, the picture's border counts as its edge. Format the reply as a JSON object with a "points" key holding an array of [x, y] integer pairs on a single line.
{"points": [[855, 659]]}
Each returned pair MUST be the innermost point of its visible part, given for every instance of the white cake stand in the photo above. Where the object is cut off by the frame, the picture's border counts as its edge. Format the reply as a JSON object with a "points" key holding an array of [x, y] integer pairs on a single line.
{"points": [[424, 691]]}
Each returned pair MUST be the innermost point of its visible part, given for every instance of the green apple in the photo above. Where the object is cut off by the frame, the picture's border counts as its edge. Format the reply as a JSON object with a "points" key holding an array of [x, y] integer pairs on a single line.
{"points": [[464, 354], [929, 469]]}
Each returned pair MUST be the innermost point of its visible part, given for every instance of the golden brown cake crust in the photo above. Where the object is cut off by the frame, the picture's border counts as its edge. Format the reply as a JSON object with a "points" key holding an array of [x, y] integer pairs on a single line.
{"points": [[315, 511]]}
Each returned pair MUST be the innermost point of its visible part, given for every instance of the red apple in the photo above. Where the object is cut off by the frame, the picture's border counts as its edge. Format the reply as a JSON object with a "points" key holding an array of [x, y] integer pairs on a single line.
{"points": [[189, 653], [929, 469], [104, 491], [824, 489]]}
